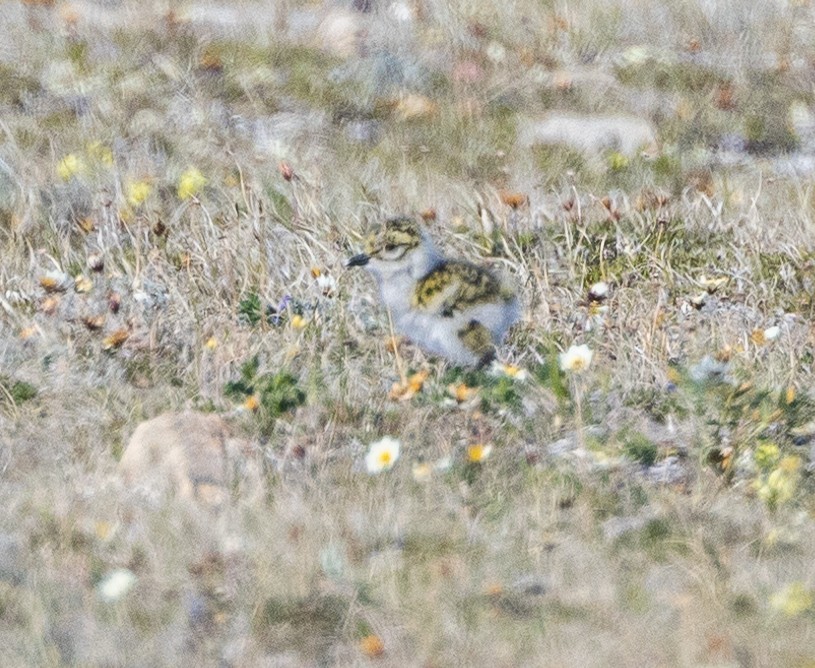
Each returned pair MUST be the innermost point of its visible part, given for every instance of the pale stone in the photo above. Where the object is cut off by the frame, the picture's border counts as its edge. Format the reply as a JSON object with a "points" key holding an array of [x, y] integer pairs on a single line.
{"points": [[194, 455]]}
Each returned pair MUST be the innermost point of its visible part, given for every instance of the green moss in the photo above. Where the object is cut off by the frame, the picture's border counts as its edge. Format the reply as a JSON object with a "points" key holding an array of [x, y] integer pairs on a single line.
{"points": [[16, 391], [280, 205], [77, 52], [250, 309], [421, 546], [16, 87], [553, 161], [640, 449], [670, 76], [658, 403], [276, 393]]}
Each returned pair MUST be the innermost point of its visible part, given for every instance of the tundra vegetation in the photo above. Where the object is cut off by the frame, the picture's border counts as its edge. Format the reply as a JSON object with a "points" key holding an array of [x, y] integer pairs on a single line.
{"points": [[180, 184]]}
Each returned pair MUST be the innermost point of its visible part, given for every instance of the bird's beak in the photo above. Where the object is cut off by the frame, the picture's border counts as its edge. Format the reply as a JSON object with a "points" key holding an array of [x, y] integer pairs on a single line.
{"points": [[358, 260]]}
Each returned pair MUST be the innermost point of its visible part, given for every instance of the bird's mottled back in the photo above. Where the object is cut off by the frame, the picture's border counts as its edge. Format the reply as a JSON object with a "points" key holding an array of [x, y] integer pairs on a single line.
{"points": [[448, 307]]}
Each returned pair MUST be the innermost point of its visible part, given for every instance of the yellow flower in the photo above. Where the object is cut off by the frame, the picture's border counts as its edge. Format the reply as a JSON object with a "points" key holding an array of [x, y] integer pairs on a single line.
{"points": [[137, 192], [382, 455], [790, 464], [402, 391], [82, 283], [766, 455], [70, 166], [190, 183], [298, 321], [509, 370], [617, 161], [478, 452], [576, 359], [780, 485], [211, 343], [103, 530], [251, 403], [792, 600], [372, 646], [100, 153], [422, 471], [462, 393], [762, 337]]}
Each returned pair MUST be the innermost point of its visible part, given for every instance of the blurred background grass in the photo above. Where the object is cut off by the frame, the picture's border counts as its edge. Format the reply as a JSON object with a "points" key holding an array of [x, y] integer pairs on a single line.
{"points": [[179, 186]]}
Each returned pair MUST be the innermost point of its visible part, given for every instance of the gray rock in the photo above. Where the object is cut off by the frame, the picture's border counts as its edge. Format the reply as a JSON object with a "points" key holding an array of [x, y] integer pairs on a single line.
{"points": [[590, 135], [12, 566]]}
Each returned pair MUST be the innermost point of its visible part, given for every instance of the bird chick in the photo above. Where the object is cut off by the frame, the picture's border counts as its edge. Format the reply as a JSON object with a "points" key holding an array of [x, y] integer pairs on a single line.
{"points": [[450, 308]]}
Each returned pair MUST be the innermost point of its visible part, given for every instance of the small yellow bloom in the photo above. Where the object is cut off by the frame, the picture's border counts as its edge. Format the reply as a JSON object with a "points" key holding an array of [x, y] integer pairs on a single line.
{"points": [[402, 391], [211, 344], [462, 393], [790, 464], [494, 589], [55, 281], [103, 530], [115, 340], [298, 321], [779, 487], [792, 600], [576, 359], [100, 153], [82, 283], [422, 471], [515, 372], [766, 455], [382, 455], [372, 646], [137, 192], [27, 333], [617, 161], [70, 166], [478, 452], [251, 403], [190, 183]]}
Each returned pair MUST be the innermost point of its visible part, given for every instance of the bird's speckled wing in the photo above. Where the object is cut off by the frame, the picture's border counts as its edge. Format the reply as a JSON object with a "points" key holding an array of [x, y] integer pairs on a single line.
{"points": [[455, 286]]}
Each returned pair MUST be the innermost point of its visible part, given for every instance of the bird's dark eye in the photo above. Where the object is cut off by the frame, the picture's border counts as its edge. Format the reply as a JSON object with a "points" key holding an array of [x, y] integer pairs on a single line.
{"points": [[390, 247]]}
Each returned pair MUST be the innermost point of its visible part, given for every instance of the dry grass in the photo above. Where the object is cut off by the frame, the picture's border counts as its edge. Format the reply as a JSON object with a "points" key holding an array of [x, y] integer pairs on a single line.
{"points": [[178, 191]]}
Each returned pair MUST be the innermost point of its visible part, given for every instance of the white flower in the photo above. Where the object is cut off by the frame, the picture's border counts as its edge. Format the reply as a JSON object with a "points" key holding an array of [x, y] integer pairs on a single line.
{"points": [[772, 333], [422, 471], [116, 584], [443, 464], [576, 359], [496, 52], [509, 370], [327, 285], [382, 455], [599, 291]]}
